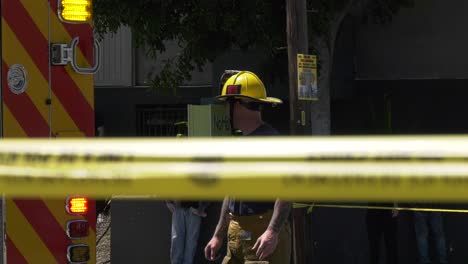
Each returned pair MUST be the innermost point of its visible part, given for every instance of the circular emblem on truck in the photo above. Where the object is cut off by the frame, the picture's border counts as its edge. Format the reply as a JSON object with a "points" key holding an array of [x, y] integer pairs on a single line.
{"points": [[17, 79]]}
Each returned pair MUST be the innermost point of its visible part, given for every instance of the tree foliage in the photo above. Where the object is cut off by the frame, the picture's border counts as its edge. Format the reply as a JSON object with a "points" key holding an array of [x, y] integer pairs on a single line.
{"points": [[204, 29]]}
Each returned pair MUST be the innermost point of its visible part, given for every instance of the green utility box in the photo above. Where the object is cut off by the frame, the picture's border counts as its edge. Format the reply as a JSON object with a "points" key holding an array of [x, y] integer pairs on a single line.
{"points": [[208, 121]]}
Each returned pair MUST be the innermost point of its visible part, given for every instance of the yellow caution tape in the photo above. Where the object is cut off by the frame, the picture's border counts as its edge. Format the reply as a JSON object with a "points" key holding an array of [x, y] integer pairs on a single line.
{"points": [[324, 168], [398, 208], [339, 149]]}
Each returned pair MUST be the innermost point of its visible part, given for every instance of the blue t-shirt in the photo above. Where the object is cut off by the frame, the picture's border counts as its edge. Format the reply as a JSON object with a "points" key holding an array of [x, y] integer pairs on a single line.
{"points": [[249, 207]]}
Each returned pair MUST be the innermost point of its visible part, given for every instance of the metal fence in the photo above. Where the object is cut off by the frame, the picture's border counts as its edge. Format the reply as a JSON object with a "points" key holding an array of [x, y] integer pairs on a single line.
{"points": [[160, 120]]}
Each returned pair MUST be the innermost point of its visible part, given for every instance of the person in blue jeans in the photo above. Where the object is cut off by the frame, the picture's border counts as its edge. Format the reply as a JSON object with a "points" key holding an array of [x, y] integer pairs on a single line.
{"points": [[186, 220], [425, 223]]}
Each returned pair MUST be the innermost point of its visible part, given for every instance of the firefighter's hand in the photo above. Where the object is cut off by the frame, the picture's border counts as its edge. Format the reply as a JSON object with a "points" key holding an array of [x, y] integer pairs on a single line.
{"points": [[212, 248], [266, 244], [395, 213]]}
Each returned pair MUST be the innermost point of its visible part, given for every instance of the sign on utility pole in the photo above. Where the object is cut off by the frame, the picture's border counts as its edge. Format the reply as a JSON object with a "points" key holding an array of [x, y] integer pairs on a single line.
{"points": [[300, 121], [307, 77]]}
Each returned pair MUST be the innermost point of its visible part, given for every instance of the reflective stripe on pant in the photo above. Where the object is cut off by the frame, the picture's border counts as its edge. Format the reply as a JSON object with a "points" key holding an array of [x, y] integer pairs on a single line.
{"points": [[242, 235]]}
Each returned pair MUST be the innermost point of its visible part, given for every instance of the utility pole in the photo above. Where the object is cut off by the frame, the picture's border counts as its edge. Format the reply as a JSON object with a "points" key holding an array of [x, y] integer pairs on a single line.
{"points": [[297, 36], [300, 121]]}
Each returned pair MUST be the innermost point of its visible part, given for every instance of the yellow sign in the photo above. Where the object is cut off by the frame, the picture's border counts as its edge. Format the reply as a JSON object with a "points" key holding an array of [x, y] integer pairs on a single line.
{"points": [[307, 88]]}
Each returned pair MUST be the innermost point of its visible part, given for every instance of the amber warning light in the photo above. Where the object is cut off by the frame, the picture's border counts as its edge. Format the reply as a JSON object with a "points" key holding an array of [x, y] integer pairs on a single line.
{"points": [[75, 11], [77, 205]]}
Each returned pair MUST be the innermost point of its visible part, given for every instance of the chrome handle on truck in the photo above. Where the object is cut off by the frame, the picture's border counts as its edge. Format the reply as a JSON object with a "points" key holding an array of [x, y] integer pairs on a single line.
{"points": [[61, 54]]}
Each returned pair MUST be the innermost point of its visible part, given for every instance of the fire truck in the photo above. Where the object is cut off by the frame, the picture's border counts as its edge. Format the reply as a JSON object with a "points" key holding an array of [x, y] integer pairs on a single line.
{"points": [[49, 56]]}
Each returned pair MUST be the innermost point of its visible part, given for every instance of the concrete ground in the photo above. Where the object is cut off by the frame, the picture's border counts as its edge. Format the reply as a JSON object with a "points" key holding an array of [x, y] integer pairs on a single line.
{"points": [[103, 238]]}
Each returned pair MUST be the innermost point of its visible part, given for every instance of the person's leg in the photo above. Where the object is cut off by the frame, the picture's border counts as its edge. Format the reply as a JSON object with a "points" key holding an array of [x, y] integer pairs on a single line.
{"points": [[390, 238], [373, 235], [420, 227], [437, 229], [251, 228], [234, 251], [192, 231], [244, 232], [178, 236], [228, 259]]}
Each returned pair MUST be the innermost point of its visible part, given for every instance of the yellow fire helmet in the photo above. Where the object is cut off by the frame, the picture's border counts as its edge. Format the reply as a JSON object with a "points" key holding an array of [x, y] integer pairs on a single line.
{"points": [[245, 84]]}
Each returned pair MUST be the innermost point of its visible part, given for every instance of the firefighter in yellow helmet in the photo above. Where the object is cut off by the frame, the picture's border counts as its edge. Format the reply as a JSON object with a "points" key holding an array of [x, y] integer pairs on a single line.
{"points": [[258, 232], [244, 95]]}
